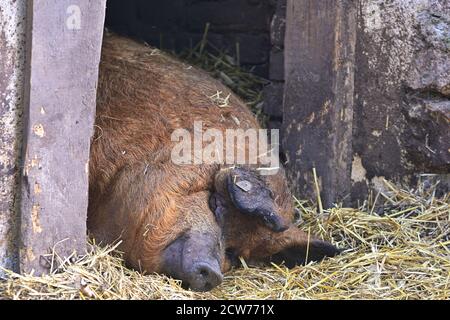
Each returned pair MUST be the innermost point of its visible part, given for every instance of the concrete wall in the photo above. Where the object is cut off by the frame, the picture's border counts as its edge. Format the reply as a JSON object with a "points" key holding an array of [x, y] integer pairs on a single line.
{"points": [[12, 57], [402, 92]]}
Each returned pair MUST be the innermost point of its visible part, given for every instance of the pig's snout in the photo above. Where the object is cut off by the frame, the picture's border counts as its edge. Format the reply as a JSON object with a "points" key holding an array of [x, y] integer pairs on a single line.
{"points": [[195, 260], [204, 277]]}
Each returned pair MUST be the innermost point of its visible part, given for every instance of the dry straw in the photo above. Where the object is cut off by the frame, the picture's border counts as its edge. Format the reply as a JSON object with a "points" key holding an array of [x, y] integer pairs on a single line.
{"points": [[399, 250]]}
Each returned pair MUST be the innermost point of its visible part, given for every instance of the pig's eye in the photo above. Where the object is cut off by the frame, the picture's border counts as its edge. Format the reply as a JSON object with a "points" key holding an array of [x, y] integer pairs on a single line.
{"points": [[218, 206]]}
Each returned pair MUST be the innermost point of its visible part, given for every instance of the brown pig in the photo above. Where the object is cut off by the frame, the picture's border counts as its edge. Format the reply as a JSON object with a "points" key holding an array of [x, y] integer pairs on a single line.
{"points": [[189, 221]]}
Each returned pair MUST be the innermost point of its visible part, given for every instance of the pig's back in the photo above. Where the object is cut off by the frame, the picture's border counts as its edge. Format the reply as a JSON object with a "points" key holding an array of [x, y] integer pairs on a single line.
{"points": [[145, 94], [143, 84]]}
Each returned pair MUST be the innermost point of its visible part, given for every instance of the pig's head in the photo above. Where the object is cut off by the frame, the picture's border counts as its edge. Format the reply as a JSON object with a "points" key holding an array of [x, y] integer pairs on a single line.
{"points": [[257, 215], [198, 236], [161, 229], [181, 239]]}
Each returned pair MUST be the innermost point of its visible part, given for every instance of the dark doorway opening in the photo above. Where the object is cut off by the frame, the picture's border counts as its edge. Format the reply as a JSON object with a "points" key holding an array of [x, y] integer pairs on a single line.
{"points": [[236, 26]]}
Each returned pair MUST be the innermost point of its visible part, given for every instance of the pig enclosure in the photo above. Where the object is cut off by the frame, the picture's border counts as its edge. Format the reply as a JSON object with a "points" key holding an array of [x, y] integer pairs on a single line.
{"points": [[359, 89]]}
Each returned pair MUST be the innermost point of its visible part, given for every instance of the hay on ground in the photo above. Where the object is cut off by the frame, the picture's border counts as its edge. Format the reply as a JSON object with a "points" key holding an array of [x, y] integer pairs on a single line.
{"points": [[399, 252]]}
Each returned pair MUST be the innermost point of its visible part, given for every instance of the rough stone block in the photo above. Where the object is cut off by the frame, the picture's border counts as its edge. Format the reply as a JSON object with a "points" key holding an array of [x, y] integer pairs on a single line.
{"points": [[276, 65], [273, 100]]}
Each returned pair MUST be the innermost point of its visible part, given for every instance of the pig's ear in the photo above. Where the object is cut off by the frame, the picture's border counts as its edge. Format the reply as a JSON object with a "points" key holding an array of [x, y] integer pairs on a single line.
{"points": [[251, 196], [301, 254]]}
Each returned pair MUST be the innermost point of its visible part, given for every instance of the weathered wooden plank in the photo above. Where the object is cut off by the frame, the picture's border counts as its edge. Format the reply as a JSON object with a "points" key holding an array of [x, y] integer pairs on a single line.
{"points": [[318, 105], [64, 52]]}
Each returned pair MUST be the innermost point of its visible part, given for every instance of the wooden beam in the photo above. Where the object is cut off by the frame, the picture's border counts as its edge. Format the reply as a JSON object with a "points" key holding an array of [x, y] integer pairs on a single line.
{"points": [[318, 105], [64, 43]]}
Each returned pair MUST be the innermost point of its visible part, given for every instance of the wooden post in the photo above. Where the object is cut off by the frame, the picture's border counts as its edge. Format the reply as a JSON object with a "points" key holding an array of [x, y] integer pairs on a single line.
{"points": [[318, 105], [64, 43]]}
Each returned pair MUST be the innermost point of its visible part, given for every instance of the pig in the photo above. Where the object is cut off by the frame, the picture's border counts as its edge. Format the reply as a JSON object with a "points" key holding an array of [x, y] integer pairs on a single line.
{"points": [[191, 221]]}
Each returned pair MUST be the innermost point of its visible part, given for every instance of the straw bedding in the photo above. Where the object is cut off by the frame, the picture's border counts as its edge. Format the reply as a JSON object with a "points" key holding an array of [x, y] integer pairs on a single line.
{"points": [[400, 250]]}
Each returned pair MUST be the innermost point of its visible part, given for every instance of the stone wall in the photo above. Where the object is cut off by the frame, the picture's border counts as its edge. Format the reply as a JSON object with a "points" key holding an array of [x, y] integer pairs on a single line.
{"points": [[179, 24], [401, 125], [12, 56]]}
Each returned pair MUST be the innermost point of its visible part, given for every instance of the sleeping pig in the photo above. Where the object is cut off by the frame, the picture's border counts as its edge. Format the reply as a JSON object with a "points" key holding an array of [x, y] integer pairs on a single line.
{"points": [[191, 221]]}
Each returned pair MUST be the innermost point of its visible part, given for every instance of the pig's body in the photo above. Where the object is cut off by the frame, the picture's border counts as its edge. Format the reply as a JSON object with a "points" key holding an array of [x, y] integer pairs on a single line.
{"points": [[162, 211]]}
